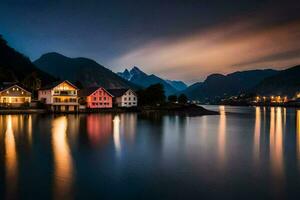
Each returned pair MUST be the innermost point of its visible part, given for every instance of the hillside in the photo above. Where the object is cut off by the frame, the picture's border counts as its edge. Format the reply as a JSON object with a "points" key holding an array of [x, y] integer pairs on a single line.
{"points": [[138, 77], [217, 86], [286, 82], [15, 67], [86, 71]]}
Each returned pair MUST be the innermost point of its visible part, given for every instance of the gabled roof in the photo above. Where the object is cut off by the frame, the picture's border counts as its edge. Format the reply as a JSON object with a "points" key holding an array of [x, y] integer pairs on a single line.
{"points": [[88, 91], [54, 84], [4, 87], [119, 92]]}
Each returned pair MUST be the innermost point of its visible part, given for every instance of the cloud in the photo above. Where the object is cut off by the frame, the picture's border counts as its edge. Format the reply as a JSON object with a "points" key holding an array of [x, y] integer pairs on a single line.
{"points": [[237, 45]]}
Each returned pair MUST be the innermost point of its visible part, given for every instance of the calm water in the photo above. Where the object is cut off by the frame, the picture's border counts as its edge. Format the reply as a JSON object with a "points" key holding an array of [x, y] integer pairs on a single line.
{"points": [[245, 153]]}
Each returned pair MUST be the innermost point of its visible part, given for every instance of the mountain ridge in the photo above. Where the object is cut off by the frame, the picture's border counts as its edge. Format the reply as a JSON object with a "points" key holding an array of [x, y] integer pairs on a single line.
{"points": [[87, 71], [217, 86], [137, 76]]}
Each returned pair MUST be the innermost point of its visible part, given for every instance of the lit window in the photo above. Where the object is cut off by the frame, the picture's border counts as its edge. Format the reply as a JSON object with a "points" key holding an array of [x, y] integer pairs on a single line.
{"points": [[17, 89], [13, 89]]}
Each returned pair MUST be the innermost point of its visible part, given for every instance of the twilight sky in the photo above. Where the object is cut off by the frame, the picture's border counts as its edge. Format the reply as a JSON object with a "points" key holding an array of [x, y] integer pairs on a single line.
{"points": [[176, 39]]}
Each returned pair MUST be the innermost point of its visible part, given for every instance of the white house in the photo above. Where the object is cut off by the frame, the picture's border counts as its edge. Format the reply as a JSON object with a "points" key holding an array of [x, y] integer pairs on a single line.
{"points": [[60, 96], [124, 97]]}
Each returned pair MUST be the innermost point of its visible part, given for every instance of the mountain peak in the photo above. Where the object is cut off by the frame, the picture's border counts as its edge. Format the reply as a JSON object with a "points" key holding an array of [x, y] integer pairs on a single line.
{"points": [[136, 71]]}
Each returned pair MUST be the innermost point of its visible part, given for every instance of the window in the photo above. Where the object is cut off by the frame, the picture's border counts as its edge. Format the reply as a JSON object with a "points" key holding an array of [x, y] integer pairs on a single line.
{"points": [[95, 98], [129, 103], [129, 98], [125, 98], [100, 98], [104, 98], [133, 98]]}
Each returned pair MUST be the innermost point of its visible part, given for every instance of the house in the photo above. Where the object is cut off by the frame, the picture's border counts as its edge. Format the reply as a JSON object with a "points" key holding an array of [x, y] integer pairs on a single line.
{"points": [[59, 96], [96, 97], [124, 97], [14, 95]]}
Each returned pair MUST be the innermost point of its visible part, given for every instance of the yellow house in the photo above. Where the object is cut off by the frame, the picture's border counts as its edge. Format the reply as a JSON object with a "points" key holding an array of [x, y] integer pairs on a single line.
{"points": [[14, 95], [60, 96]]}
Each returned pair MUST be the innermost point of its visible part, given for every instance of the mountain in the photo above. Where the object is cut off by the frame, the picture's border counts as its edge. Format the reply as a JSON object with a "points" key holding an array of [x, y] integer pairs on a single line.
{"points": [[217, 86], [15, 67], [138, 77], [86, 71], [285, 82], [178, 85]]}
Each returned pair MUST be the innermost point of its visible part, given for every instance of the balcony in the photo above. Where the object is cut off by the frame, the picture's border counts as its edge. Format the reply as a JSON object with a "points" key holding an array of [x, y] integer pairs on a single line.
{"points": [[65, 101], [65, 93]]}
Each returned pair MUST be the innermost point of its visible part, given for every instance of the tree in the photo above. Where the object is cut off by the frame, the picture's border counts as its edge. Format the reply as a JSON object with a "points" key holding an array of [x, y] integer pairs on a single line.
{"points": [[182, 99], [152, 95], [172, 98]]}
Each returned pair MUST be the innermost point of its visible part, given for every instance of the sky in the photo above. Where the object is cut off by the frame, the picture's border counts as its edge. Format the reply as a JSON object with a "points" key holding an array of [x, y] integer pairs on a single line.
{"points": [[175, 39]]}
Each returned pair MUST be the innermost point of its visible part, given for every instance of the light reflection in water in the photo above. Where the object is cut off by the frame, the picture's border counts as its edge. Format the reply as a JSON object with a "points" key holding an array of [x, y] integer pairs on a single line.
{"points": [[276, 148], [222, 135], [128, 126], [99, 127], [29, 129], [257, 130], [11, 164], [63, 166], [116, 134], [298, 135]]}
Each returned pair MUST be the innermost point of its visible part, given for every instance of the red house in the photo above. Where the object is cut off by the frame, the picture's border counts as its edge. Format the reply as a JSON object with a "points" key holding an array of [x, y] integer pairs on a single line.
{"points": [[96, 97]]}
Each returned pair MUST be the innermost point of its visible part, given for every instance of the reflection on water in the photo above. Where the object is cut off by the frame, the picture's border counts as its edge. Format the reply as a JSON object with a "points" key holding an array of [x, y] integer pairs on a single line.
{"points": [[257, 134], [128, 126], [63, 166], [99, 128], [11, 164], [222, 135], [116, 134], [179, 151], [276, 142], [298, 135]]}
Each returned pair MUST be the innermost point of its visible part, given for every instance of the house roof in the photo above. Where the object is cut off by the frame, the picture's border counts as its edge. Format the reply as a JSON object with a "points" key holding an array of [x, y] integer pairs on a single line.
{"points": [[88, 91], [118, 92], [54, 84], [6, 86]]}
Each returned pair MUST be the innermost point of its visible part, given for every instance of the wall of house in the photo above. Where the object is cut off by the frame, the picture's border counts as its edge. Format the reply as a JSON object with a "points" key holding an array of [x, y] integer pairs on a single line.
{"points": [[129, 99], [99, 99], [15, 95], [63, 93], [45, 96]]}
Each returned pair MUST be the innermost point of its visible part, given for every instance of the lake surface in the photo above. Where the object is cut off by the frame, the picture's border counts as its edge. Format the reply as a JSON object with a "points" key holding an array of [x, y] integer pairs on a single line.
{"points": [[244, 153]]}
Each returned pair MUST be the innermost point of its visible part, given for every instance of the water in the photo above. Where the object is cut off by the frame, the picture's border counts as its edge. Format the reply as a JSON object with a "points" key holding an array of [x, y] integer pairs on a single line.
{"points": [[245, 153]]}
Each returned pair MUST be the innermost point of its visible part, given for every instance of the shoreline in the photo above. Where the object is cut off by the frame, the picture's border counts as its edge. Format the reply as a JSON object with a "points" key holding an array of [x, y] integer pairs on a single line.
{"points": [[188, 110]]}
